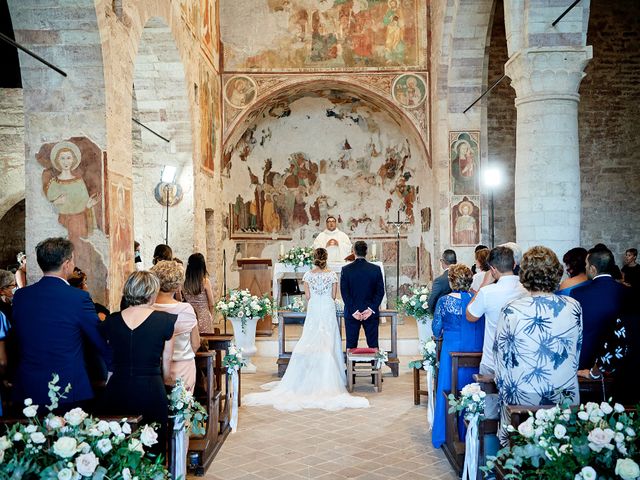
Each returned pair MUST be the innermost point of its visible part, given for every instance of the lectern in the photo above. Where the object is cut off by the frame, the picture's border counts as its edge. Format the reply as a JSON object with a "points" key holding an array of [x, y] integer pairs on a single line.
{"points": [[255, 276]]}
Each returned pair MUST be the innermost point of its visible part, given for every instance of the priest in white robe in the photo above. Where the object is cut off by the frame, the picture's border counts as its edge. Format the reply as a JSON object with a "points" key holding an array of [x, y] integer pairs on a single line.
{"points": [[336, 242]]}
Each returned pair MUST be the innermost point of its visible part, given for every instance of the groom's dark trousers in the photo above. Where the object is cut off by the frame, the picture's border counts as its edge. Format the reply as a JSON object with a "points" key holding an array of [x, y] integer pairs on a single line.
{"points": [[362, 287]]}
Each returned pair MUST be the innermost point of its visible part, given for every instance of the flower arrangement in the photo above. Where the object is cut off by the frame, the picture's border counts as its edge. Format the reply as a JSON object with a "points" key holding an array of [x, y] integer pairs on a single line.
{"points": [[186, 409], [233, 360], [243, 305], [297, 305], [77, 445], [298, 257], [589, 442], [381, 358], [471, 401], [416, 304], [429, 358]]}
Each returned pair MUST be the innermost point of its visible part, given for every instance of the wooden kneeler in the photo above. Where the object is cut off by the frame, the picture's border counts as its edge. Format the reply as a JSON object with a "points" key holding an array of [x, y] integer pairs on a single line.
{"points": [[452, 447], [361, 362]]}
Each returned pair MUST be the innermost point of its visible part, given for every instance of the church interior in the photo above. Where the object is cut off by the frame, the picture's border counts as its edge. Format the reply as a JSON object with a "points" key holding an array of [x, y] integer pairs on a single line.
{"points": [[236, 128]]}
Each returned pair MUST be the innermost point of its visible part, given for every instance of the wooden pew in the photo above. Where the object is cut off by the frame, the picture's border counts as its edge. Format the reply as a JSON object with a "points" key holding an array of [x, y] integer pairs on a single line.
{"points": [[453, 447]]}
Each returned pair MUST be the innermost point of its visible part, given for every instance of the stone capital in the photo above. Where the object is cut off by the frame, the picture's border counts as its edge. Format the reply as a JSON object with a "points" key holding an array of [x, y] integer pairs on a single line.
{"points": [[548, 73]]}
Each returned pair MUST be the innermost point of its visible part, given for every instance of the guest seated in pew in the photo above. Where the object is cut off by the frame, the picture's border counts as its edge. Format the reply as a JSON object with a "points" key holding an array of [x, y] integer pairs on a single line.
{"points": [[575, 265], [458, 335], [538, 340], [186, 336], [142, 342], [601, 302]]}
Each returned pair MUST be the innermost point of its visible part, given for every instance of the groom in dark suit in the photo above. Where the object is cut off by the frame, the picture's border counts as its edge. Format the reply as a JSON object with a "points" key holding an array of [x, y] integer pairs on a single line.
{"points": [[362, 290]]}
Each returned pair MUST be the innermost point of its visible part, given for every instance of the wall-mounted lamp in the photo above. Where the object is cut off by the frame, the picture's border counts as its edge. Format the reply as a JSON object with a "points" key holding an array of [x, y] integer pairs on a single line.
{"points": [[492, 179]]}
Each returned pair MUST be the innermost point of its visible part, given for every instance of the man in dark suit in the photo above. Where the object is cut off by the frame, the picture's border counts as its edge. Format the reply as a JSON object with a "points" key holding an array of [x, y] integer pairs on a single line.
{"points": [[601, 301], [440, 285], [362, 289], [52, 321]]}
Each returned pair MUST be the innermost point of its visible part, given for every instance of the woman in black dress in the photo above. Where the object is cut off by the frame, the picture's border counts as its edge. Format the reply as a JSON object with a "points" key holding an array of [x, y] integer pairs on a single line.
{"points": [[142, 343]]}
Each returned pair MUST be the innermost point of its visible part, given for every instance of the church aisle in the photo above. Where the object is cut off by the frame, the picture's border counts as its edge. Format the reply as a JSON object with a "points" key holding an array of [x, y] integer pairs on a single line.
{"points": [[390, 440]]}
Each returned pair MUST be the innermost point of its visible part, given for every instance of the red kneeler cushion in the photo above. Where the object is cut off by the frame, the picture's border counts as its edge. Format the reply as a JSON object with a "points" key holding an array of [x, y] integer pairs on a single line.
{"points": [[362, 351]]}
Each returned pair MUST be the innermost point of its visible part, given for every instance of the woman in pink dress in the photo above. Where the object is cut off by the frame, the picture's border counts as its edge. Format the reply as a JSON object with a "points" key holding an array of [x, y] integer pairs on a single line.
{"points": [[185, 335], [197, 291]]}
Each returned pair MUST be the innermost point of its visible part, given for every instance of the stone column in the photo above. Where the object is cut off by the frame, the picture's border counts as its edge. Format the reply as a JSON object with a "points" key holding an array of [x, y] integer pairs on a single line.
{"points": [[547, 178]]}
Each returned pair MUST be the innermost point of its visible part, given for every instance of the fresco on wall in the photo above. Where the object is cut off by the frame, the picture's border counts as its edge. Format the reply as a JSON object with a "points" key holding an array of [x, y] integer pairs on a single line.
{"points": [[190, 16], [409, 90], [264, 35], [208, 30], [358, 166], [240, 91], [73, 184], [465, 221], [208, 102], [464, 151], [121, 231]]}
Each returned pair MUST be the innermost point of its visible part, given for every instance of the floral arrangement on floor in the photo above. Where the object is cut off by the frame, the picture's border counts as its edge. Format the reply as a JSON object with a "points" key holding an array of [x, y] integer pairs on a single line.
{"points": [[381, 358], [589, 442], [233, 362], [241, 304], [77, 445], [429, 358], [416, 304], [297, 305], [298, 257], [186, 409]]}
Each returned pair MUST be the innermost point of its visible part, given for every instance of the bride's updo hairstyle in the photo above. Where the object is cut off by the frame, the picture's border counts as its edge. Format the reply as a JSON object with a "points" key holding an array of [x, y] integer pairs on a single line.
{"points": [[320, 258]]}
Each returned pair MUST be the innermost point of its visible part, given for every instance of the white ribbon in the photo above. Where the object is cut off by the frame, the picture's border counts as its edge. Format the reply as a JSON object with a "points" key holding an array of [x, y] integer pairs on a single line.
{"points": [[430, 395], [180, 444], [472, 445], [233, 422]]}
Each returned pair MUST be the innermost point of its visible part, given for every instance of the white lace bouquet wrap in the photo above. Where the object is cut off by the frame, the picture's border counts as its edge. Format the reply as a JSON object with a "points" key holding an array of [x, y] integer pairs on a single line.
{"points": [[472, 402]]}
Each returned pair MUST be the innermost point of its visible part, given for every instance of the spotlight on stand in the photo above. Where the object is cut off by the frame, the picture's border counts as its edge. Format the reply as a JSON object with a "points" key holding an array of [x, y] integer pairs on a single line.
{"points": [[167, 180], [492, 179]]}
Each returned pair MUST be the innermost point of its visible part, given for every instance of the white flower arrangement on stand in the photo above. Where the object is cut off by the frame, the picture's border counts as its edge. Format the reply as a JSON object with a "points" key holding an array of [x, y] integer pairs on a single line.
{"points": [[77, 445], [587, 442], [472, 403], [381, 358], [233, 362], [429, 362], [297, 305], [298, 257], [416, 305]]}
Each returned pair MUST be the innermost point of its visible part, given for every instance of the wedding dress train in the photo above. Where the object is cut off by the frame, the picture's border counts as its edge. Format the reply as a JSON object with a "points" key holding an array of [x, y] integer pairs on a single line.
{"points": [[315, 376]]}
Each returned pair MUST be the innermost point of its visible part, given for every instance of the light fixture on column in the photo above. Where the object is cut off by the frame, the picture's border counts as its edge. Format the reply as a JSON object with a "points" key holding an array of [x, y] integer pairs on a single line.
{"points": [[492, 179], [167, 181]]}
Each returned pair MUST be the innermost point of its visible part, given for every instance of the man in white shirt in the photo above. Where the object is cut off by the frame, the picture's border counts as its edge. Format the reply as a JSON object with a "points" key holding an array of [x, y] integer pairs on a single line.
{"points": [[491, 298], [336, 242]]}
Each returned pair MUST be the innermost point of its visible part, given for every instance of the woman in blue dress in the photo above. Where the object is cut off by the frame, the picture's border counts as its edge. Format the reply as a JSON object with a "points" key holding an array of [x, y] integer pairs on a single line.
{"points": [[458, 335], [575, 264]]}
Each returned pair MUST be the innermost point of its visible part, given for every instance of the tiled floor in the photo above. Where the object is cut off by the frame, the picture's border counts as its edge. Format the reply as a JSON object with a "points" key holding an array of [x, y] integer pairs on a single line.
{"points": [[390, 440]]}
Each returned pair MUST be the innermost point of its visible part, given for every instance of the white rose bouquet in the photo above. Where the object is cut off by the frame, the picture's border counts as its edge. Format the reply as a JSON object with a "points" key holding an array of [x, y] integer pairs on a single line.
{"points": [[429, 358], [76, 445], [241, 304], [233, 360], [471, 401], [588, 442], [183, 407], [298, 257], [297, 305], [416, 304]]}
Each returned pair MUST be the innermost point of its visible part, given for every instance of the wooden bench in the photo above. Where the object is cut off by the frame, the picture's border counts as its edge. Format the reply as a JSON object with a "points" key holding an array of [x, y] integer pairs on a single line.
{"points": [[453, 447]]}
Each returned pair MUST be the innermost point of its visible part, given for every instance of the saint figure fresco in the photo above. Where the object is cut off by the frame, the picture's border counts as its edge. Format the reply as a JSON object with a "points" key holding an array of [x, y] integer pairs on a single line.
{"points": [[463, 151]]}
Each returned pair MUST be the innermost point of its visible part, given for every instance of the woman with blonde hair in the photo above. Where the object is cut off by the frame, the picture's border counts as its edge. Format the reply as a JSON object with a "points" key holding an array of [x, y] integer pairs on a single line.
{"points": [[142, 342], [185, 336], [315, 376]]}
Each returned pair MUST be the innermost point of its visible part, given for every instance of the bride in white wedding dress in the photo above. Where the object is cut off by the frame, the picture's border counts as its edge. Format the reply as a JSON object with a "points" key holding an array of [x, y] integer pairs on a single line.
{"points": [[315, 376]]}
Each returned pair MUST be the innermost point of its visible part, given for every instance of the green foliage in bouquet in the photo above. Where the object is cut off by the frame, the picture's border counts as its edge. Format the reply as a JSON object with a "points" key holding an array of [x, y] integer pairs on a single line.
{"points": [[416, 304], [184, 408], [298, 257]]}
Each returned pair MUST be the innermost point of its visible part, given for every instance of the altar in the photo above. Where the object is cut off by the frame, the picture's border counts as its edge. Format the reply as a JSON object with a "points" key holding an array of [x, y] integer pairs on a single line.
{"points": [[282, 270]]}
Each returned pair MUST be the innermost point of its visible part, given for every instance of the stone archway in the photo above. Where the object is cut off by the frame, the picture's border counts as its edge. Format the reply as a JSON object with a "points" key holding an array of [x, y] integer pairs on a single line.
{"points": [[161, 103]]}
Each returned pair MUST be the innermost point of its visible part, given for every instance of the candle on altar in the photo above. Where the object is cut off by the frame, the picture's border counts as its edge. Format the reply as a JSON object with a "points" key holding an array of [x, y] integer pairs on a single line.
{"points": [[282, 249], [374, 250]]}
